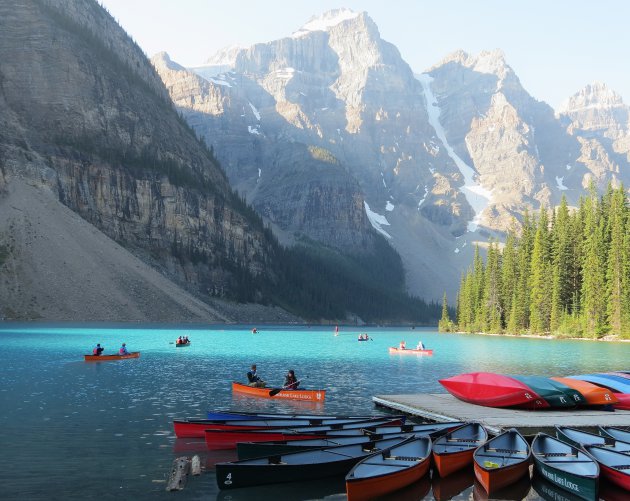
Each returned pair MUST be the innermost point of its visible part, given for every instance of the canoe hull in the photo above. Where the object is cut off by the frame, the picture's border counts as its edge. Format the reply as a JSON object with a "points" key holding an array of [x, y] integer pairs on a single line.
{"points": [[623, 401], [297, 467], [230, 476], [617, 384], [409, 351], [554, 460], [195, 428], [609, 464], [390, 478], [235, 415], [246, 450], [447, 464], [227, 439], [502, 461], [616, 433], [493, 390], [106, 358], [493, 480], [181, 345], [303, 395], [556, 394], [454, 450], [594, 395]]}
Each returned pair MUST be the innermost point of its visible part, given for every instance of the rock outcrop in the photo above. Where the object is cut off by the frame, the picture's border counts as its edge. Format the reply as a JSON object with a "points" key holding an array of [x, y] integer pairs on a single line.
{"points": [[85, 115]]}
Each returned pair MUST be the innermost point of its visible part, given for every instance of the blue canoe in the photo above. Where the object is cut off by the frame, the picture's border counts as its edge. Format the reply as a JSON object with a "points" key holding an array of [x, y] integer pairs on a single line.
{"points": [[615, 383]]}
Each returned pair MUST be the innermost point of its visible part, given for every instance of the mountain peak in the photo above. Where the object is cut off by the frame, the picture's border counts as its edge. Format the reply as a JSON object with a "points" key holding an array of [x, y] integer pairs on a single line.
{"points": [[326, 21], [162, 59], [594, 95], [487, 61], [225, 56]]}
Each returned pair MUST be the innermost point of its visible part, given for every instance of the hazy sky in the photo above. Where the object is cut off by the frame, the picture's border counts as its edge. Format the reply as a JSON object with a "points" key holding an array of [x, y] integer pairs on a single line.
{"points": [[554, 46]]}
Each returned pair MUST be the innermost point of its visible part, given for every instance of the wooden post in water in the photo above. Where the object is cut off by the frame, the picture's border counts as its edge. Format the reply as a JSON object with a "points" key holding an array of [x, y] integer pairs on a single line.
{"points": [[195, 465], [179, 474]]}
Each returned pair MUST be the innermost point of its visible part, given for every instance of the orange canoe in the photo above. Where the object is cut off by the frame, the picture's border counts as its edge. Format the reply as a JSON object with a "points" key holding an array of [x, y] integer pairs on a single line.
{"points": [[103, 358], [304, 395], [594, 395], [389, 470]]}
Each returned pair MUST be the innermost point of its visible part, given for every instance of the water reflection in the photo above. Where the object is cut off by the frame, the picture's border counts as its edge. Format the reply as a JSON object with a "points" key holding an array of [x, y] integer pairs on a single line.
{"points": [[515, 492], [331, 488], [611, 492], [414, 492], [551, 492], [452, 485]]}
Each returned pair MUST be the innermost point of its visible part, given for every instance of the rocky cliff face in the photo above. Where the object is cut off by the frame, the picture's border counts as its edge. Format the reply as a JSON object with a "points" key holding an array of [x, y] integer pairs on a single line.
{"points": [[85, 115], [597, 117], [310, 126]]}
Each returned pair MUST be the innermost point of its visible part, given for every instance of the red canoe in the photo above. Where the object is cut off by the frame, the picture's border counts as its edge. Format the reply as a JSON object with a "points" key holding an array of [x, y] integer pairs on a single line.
{"points": [[623, 401], [194, 428], [227, 439], [409, 351], [493, 390], [303, 395], [613, 465], [103, 358]]}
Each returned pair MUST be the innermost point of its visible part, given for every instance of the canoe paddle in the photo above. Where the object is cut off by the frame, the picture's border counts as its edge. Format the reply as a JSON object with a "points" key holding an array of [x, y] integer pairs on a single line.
{"points": [[275, 391]]}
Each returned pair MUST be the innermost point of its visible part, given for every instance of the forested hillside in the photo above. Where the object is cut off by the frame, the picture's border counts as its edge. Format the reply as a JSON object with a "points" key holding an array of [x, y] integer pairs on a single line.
{"points": [[568, 274]]}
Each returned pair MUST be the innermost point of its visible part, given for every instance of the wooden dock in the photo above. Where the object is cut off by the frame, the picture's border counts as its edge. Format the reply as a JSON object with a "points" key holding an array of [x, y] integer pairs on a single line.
{"points": [[444, 407]]}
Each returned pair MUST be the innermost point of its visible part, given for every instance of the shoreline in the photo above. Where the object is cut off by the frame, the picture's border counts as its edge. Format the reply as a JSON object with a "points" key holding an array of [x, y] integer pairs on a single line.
{"points": [[606, 339]]}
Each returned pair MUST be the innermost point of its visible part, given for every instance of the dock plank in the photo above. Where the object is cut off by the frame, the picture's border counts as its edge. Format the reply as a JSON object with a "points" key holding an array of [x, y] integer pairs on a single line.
{"points": [[445, 407]]}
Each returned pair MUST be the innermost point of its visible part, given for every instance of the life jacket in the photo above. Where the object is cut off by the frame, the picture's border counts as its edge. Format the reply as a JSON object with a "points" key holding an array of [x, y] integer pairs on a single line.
{"points": [[95, 351]]}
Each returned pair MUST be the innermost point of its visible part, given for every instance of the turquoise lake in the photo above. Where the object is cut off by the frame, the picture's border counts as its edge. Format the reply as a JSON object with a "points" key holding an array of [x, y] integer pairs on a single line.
{"points": [[78, 430]]}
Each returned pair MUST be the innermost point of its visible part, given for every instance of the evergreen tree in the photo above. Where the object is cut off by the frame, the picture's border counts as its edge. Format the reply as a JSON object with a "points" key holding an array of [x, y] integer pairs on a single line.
{"points": [[509, 274], [540, 297], [593, 271], [562, 265], [445, 324], [477, 287], [491, 307], [616, 260]]}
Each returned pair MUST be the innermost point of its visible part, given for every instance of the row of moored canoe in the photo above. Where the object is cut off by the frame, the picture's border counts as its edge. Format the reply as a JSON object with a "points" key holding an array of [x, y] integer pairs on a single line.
{"points": [[610, 389], [379, 455]]}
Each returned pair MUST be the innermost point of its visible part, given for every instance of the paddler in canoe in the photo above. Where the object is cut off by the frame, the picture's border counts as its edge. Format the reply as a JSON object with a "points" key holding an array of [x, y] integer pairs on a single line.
{"points": [[290, 381], [97, 350], [420, 346], [254, 379]]}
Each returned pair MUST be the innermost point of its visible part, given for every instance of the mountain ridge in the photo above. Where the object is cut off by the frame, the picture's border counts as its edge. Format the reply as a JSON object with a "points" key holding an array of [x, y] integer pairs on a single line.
{"points": [[344, 89]]}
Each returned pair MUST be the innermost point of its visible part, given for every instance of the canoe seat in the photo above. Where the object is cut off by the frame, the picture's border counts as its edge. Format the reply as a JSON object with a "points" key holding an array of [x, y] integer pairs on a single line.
{"points": [[622, 467], [506, 451], [276, 460], [556, 454], [471, 440], [404, 458]]}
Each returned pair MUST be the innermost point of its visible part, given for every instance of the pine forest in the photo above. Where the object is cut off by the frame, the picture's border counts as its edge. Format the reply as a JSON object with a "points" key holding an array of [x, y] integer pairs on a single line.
{"points": [[567, 274]]}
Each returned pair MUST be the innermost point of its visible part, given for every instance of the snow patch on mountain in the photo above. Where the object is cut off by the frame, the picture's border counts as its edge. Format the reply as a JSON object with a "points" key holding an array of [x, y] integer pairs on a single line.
{"points": [[559, 183], [325, 21], [255, 111], [377, 221], [478, 197]]}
